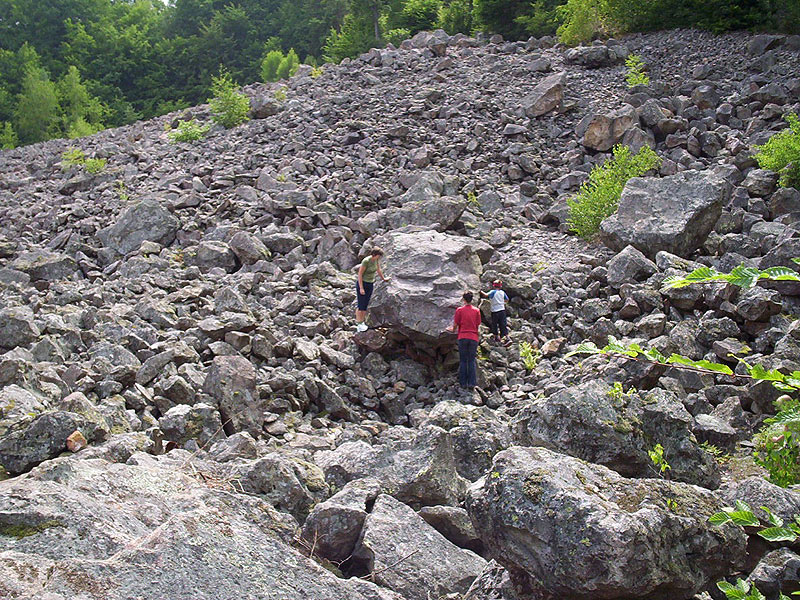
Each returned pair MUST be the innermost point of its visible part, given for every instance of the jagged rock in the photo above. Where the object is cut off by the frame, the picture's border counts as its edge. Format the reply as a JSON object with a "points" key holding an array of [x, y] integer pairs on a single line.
{"points": [[289, 484], [248, 248], [17, 405], [17, 327], [628, 266], [231, 382], [492, 584], [200, 422], [778, 572], [438, 213], [429, 272], [392, 532], [546, 96], [784, 201], [239, 445], [566, 528], [334, 526], [73, 522], [27, 445], [758, 492], [418, 468], [476, 432], [601, 131], [144, 221], [673, 213], [44, 265], [595, 423], [262, 107], [210, 254], [454, 524], [758, 304]]}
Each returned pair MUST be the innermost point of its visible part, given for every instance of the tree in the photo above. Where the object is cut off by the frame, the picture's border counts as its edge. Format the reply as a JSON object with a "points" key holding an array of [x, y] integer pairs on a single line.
{"points": [[500, 16], [36, 117], [288, 65], [82, 114]]}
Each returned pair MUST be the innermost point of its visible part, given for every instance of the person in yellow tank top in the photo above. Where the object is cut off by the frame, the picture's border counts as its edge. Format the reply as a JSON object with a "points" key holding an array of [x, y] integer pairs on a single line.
{"points": [[370, 266]]}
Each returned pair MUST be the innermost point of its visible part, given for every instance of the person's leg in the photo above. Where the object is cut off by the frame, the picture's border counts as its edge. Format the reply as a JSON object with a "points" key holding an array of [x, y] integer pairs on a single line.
{"points": [[463, 362], [493, 325], [472, 372], [502, 321], [361, 307]]}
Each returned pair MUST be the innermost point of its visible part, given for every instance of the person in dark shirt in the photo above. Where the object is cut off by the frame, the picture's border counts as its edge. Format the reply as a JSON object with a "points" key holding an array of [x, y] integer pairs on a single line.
{"points": [[465, 323]]}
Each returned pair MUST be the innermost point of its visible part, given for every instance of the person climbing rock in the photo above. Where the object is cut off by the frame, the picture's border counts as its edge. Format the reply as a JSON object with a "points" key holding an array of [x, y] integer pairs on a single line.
{"points": [[366, 281], [465, 323], [497, 302]]}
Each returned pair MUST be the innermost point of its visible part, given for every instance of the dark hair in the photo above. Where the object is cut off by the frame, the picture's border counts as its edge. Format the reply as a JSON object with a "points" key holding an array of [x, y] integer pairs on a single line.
{"points": [[467, 297], [376, 252]]}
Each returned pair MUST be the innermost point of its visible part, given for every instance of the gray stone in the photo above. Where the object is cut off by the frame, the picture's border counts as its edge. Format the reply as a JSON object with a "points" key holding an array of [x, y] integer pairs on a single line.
{"points": [[629, 266], [231, 382], [248, 248], [674, 213], [546, 96], [565, 528], [600, 131], [147, 220], [44, 265], [200, 422], [17, 327]]}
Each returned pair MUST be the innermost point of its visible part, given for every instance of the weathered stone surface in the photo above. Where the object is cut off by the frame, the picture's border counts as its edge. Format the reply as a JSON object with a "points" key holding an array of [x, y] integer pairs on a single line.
{"points": [[231, 382], [422, 561], [566, 528], [248, 248], [44, 265], [429, 272], [758, 492], [595, 423], [602, 130], [17, 327], [546, 96], [96, 528], [674, 213], [200, 422], [146, 220], [629, 266]]}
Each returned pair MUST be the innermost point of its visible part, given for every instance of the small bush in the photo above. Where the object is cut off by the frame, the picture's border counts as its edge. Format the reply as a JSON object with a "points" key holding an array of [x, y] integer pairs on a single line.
{"points": [[397, 36], [288, 65], [530, 356], [74, 157], [315, 72], [8, 137], [456, 17], [229, 107], [280, 94], [777, 444], [94, 165], [598, 198], [269, 66], [580, 20], [188, 131], [636, 75], [781, 153]]}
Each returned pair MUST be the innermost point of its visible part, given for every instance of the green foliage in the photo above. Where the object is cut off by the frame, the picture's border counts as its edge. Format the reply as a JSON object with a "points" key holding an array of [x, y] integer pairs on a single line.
{"points": [[397, 36], [581, 20], [618, 395], [75, 157], [598, 198], [777, 444], [82, 114], [419, 15], [543, 18], [743, 516], [456, 16], [781, 153], [229, 107], [288, 65], [280, 94], [635, 75], [659, 461], [720, 456], [8, 137], [36, 117], [530, 356], [269, 65], [316, 72], [500, 16], [188, 131], [351, 39], [741, 276]]}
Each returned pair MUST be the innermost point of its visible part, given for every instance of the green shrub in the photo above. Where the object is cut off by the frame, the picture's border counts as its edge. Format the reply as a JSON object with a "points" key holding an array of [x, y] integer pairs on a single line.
{"points": [[530, 356], [456, 17], [635, 75], [229, 107], [94, 165], [288, 65], [8, 137], [580, 20], [280, 94], [188, 131], [777, 444], [419, 15], [269, 65], [397, 36], [598, 198], [75, 157], [781, 153], [356, 35], [81, 128]]}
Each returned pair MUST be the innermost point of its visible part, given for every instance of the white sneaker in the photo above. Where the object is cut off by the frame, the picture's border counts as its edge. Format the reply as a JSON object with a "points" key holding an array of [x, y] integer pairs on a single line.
{"points": [[361, 327]]}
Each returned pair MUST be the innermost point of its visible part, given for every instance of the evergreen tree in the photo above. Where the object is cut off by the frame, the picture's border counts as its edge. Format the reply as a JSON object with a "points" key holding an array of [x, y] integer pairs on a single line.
{"points": [[36, 117]]}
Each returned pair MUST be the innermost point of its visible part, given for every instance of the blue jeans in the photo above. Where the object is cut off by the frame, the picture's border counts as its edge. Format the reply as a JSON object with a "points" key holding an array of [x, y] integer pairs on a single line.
{"points": [[467, 365], [500, 322]]}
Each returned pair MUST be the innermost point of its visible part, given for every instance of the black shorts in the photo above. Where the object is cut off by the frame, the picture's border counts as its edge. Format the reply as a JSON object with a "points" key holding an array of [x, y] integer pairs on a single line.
{"points": [[363, 299]]}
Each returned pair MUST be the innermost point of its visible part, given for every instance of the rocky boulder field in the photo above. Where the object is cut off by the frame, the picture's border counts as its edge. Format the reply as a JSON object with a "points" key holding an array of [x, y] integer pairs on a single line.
{"points": [[187, 412]]}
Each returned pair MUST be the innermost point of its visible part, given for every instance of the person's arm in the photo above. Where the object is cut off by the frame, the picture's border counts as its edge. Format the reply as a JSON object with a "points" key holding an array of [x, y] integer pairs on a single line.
{"points": [[484, 294], [454, 326], [380, 272], [361, 270]]}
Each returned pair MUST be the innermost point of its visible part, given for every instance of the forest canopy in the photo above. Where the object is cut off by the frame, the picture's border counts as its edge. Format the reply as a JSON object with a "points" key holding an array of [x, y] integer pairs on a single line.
{"points": [[69, 68]]}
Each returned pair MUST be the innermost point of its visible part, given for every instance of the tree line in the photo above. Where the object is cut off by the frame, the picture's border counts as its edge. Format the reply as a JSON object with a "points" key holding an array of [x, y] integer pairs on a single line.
{"points": [[69, 68]]}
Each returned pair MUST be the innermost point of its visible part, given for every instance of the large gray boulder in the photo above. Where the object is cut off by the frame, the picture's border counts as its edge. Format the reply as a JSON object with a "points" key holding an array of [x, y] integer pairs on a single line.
{"points": [[407, 555], [45, 265], [17, 327], [565, 528], [546, 96], [231, 382], [151, 528], [593, 422], [147, 220], [674, 213], [439, 213], [429, 272], [417, 467], [600, 131]]}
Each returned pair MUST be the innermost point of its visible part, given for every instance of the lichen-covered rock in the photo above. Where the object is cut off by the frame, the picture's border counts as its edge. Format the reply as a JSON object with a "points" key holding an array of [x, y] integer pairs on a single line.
{"points": [[231, 382], [147, 220], [567, 529]]}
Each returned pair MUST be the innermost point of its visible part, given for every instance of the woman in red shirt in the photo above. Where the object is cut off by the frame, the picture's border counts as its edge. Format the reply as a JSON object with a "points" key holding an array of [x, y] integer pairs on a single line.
{"points": [[466, 322]]}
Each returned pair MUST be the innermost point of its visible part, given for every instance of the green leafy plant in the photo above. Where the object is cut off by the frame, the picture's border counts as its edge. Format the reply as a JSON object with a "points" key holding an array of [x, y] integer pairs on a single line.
{"points": [[598, 198], [288, 65], [472, 199], [8, 137], [280, 94], [122, 192], [530, 356], [269, 65], [741, 276], [659, 461], [75, 157], [781, 153], [777, 444], [229, 107], [719, 455], [775, 531], [635, 75], [316, 72], [94, 165], [188, 131]]}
